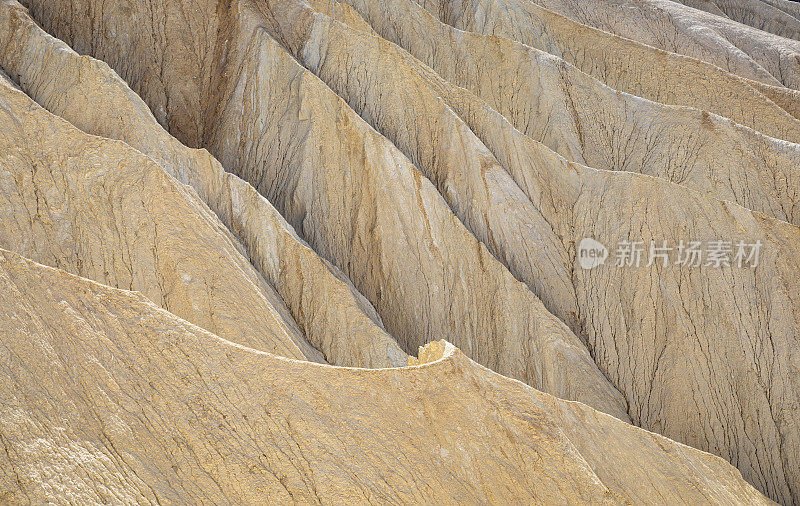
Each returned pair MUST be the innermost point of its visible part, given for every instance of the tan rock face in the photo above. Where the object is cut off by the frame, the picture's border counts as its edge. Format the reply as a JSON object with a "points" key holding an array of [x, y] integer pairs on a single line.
{"points": [[329, 310], [644, 299], [775, 16], [526, 233], [162, 411], [501, 323], [592, 124], [351, 181], [100, 209], [667, 25], [386, 226], [625, 64]]}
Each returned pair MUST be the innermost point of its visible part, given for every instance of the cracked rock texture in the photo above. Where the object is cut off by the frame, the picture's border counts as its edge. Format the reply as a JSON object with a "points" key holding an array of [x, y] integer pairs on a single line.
{"points": [[589, 123], [385, 225], [668, 25], [161, 411], [780, 17], [334, 316], [279, 209], [129, 225], [530, 234], [624, 64]]}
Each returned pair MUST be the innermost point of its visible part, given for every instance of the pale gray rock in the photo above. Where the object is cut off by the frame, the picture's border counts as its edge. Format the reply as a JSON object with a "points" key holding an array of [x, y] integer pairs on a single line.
{"points": [[667, 25], [775, 16], [625, 64], [592, 124]]}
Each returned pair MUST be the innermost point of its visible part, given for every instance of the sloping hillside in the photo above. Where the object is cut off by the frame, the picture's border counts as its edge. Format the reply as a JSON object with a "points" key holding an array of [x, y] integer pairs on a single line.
{"points": [[485, 251]]}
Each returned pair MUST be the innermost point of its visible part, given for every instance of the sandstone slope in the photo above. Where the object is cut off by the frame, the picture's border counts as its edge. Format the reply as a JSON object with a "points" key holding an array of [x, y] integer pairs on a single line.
{"points": [[780, 17], [107, 398], [384, 224], [529, 235], [787, 6], [100, 209], [360, 202], [667, 25], [414, 165], [625, 64], [592, 124], [335, 318]]}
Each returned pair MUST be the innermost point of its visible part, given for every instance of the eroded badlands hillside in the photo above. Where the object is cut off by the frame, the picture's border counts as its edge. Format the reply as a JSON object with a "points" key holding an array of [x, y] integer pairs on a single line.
{"points": [[163, 411], [332, 251]]}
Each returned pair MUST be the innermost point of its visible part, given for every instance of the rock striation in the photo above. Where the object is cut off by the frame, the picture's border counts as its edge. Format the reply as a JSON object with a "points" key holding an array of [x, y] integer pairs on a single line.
{"points": [[441, 281], [333, 315], [780, 17], [397, 251], [668, 25], [540, 207], [129, 226], [592, 124], [625, 64], [162, 411]]}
